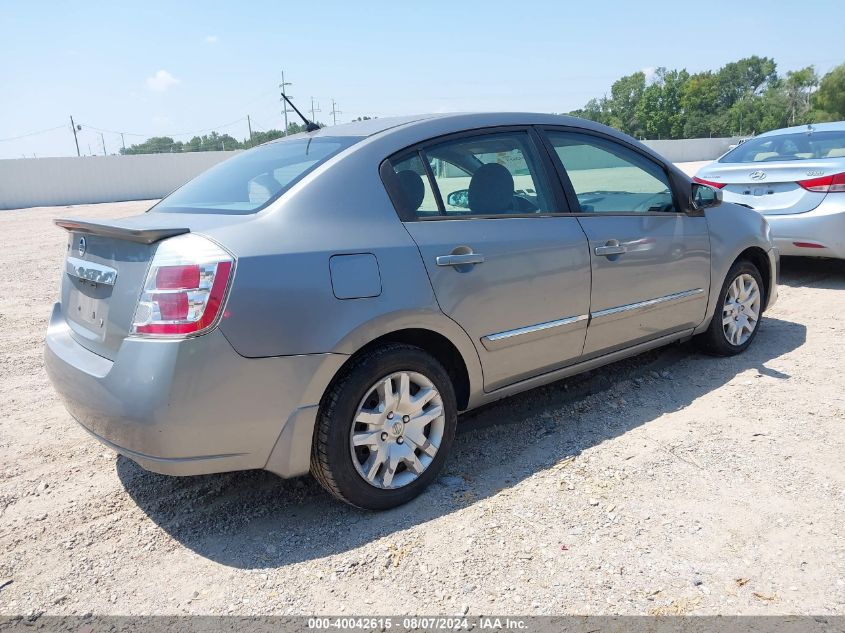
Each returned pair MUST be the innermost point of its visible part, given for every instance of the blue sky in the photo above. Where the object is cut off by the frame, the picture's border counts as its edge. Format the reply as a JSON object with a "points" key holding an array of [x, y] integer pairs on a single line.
{"points": [[165, 68]]}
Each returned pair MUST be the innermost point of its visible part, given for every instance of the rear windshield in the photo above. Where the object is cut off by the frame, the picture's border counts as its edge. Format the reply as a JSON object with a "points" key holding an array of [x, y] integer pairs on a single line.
{"points": [[250, 181], [796, 146]]}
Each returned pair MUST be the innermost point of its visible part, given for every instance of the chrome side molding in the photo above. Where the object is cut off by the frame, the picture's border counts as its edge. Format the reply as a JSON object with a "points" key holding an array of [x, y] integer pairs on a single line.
{"points": [[499, 340], [91, 271], [493, 342], [641, 305]]}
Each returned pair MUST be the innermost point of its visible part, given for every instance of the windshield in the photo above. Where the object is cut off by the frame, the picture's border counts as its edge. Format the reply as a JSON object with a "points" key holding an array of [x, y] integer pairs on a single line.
{"points": [[250, 181], [796, 146]]}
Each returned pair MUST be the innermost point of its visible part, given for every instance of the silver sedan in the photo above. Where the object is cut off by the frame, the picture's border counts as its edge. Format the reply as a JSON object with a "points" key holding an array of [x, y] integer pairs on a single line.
{"points": [[795, 177], [331, 301]]}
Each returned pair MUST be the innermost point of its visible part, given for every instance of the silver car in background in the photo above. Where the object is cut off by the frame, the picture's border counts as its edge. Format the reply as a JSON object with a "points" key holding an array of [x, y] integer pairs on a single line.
{"points": [[795, 177], [329, 302]]}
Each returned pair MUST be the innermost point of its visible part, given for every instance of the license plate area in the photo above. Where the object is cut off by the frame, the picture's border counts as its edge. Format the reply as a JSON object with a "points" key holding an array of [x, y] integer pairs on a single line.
{"points": [[88, 307]]}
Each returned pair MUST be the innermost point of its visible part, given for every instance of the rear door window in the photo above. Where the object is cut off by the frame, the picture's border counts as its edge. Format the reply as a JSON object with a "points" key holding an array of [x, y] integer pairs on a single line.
{"points": [[489, 174]]}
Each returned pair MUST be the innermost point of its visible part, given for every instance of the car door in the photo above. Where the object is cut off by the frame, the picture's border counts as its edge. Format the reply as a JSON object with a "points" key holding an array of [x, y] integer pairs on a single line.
{"points": [[506, 260], [650, 260]]}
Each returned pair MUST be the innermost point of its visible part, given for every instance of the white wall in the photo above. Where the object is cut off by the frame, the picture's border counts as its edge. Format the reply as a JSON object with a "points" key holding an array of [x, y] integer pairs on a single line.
{"points": [[692, 149], [37, 182]]}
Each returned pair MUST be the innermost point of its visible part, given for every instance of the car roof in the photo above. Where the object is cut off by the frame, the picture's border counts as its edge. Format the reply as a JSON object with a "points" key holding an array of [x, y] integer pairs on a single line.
{"points": [[401, 132], [834, 126], [469, 120], [370, 126]]}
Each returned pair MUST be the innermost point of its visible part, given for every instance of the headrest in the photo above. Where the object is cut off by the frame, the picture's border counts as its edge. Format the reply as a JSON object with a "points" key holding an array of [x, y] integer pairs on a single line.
{"points": [[491, 189], [412, 187]]}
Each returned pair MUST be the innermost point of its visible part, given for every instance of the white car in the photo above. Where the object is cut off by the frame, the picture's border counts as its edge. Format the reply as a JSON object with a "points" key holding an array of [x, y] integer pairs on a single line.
{"points": [[795, 177]]}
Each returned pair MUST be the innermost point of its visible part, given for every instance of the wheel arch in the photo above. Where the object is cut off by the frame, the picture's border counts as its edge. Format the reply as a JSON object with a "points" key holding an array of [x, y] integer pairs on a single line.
{"points": [[760, 259], [440, 348], [753, 253], [432, 332]]}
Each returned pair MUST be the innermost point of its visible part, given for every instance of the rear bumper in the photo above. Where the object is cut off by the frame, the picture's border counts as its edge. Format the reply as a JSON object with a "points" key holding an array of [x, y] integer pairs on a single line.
{"points": [[824, 226], [192, 406]]}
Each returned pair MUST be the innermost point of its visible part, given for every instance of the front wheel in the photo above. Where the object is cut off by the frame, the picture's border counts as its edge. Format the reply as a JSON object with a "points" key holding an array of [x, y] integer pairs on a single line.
{"points": [[384, 428], [737, 315]]}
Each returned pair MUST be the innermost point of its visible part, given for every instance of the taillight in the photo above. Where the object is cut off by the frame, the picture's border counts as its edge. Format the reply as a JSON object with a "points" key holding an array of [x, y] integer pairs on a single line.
{"points": [[184, 289], [709, 183], [826, 184]]}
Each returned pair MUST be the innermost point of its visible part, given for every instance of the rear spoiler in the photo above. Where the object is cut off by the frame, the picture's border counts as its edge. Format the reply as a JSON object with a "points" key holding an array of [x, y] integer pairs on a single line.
{"points": [[142, 236]]}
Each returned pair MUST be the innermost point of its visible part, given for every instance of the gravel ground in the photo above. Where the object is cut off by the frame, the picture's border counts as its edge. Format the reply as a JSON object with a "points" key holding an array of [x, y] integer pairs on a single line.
{"points": [[671, 483]]}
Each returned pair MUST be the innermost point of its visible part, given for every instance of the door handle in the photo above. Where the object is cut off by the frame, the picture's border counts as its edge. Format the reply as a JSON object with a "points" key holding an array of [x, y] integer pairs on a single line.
{"points": [[611, 249], [460, 260]]}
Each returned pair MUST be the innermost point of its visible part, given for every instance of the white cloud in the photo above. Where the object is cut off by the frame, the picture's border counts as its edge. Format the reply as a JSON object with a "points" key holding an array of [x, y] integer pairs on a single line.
{"points": [[211, 39], [650, 73], [161, 81]]}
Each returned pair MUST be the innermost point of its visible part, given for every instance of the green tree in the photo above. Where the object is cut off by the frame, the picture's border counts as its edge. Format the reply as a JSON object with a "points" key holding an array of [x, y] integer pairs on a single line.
{"points": [[262, 137], [699, 104], [829, 99], [745, 78], [659, 112], [743, 97], [154, 145], [798, 87], [621, 108], [593, 111]]}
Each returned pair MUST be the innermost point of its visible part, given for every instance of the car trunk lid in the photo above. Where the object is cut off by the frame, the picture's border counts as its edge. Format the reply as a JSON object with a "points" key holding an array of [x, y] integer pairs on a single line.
{"points": [[770, 188], [105, 270]]}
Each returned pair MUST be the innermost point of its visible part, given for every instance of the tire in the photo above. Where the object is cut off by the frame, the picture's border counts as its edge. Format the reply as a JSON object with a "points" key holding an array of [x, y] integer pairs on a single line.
{"points": [[360, 393], [719, 339]]}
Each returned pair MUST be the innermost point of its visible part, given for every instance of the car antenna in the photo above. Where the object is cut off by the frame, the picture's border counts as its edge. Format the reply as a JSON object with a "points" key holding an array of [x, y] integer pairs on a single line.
{"points": [[310, 126]]}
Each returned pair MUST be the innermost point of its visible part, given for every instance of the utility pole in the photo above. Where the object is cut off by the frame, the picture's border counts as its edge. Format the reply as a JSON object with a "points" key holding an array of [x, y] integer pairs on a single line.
{"points": [[335, 112], [249, 125], [75, 140], [103, 140], [314, 111], [285, 109], [123, 142]]}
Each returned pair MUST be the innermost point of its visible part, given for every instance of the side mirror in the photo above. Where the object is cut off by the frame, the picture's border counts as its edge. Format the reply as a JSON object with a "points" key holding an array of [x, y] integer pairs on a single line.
{"points": [[459, 199], [704, 197]]}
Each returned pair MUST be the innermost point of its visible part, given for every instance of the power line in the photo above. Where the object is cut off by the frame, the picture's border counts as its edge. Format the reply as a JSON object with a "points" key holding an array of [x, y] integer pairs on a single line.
{"points": [[209, 129], [49, 129], [315, 108]]}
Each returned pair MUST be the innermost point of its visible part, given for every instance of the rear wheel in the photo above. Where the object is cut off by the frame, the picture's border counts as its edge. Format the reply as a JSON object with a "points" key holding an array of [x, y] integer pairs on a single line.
{"points": [[738, 312], [384, 428]]}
